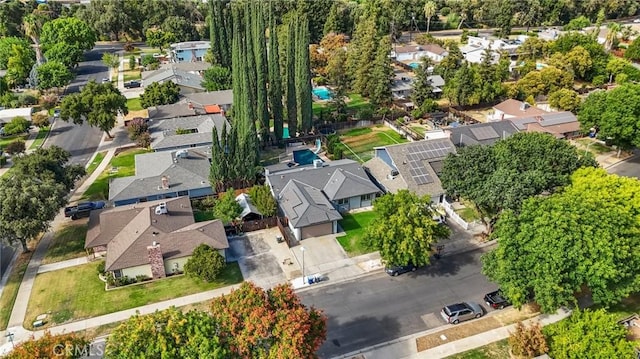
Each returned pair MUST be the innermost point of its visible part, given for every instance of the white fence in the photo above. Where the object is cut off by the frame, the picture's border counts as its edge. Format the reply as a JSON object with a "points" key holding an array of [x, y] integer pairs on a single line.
{"points": [[453, 215]]}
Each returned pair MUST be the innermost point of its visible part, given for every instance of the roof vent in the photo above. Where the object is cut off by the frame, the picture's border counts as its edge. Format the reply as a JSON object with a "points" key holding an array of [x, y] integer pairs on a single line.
{"points": [[155, 243], [162, 208], [317, 163], [524, 106]]}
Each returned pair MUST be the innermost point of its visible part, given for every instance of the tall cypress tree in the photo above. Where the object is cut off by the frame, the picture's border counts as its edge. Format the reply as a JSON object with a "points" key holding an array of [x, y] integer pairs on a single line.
{"points": [[249, 57], [275, 81], [303, 75], [290, 71], [219, 29], [260, 53]]}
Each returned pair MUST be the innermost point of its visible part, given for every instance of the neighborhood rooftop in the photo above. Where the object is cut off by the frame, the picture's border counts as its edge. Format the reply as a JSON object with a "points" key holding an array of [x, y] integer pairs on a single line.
{"points": [[165, 133]]}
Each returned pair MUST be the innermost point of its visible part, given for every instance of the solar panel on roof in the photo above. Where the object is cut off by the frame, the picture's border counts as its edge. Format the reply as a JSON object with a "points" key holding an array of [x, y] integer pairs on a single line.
{"points": [[484, 133]]}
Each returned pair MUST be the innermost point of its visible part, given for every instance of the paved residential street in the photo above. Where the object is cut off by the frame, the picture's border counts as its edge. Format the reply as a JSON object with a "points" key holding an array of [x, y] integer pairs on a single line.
{"points": [[628, 168], [379, 308], [81, 141]]}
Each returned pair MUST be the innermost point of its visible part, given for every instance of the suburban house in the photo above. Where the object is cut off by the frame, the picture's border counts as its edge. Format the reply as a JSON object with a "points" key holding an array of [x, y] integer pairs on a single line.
{"points": [[180, 109], [513, 108], [311, 197], [415, 53], [185, 132], [414, 166], [402, 85], [164, 174], [474, 50], [152, 239], [560, 124], [189, 51], [485, 133], [223, 99], [6, 115], [549, 34], [188, 82]]}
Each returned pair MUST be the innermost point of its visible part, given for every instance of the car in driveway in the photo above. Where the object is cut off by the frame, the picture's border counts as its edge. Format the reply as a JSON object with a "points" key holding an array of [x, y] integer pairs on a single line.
{"points": [[82, 209], [132, 84], [459, 312], [396, 270]]}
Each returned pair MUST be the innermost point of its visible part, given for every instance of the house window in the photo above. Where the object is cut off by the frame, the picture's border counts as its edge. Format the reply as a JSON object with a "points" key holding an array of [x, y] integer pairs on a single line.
{"points": [[366, 197], [182, 193], [343, 201], [117, 273], [198, 58], [142, 199]]}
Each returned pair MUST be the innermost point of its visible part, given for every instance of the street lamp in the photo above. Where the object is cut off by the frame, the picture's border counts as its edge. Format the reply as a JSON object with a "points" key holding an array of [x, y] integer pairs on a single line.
{"points": [[304, 281], [10, 336]]}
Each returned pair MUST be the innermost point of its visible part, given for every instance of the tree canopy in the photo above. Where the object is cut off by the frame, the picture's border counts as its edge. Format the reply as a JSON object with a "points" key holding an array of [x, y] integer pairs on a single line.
{"points": [[70, 31], [53, 74], [262, 198], [514, 169], [589, 333], [614, 114], [64, 346], [98, 104], [217, 78], [160, 94], [404, 230], [205, 263], [581, 240], [226, 207]]}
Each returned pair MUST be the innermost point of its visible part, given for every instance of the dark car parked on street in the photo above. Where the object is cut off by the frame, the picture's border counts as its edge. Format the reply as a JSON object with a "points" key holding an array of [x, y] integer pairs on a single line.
{"points": [[132, 84], [496, 300], [395, 270], [82, 209]]}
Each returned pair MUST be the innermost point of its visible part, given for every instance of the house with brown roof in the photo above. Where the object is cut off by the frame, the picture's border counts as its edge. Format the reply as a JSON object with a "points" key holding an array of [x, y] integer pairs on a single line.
{"points": [[413, 166], [513, 108], [151, 239], [563, 125], [416, 52]]}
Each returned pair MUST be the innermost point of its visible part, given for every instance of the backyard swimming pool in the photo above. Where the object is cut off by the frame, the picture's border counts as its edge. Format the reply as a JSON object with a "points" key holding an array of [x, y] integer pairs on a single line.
{"points": [[322, 93], [414, 65], [304, 157]]}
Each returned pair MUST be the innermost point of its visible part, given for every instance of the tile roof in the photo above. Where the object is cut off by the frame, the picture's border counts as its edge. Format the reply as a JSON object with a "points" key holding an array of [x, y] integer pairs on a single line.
{"points": [[128, 230], [164, 136], [305, 205], [188, 173], [212, 109], [481, 133]]}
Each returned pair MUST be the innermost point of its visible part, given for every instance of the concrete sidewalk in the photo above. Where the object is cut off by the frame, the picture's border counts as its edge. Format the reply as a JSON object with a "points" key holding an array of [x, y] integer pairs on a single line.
{"points": [[61, 265], [405, 348]]}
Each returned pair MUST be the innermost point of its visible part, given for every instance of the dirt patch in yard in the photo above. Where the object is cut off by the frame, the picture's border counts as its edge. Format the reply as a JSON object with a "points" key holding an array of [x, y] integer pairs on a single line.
{"points": [[473, 327]]}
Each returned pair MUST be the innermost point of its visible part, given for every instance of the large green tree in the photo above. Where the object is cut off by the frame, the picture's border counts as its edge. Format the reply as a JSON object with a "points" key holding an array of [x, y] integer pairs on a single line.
{"points": [[581, 240], [63, 346], [514, 169], [160, 94], [382, 75], [74, 33], [217, 78], [290, 80], [53, 74], [98, 104], [51, 162], [6, 48], [159, 38], [226, 208], [272, 323], [167, 334], [422, 86], [633, 51], [403, 229], [220, 32], [303, 75], [589, 334], [362, 54], [262, 198], [258, 28], [614, 114], [19, 64]]}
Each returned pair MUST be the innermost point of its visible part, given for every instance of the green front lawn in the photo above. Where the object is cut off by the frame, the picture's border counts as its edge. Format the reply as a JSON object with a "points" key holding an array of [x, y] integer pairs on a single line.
{"points": [[130, 75], [5, 140], [67, 243], [594, 147], [133, 104], [10, 291], [96, 162], [468, 214], [355, 226], [39, 140], [77, 293], [355, 103], [122, 165]]}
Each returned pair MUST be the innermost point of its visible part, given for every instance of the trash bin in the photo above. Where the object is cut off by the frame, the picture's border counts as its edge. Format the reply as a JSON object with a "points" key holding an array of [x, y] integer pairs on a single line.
{"points": [[310, 279], [279, 239]]}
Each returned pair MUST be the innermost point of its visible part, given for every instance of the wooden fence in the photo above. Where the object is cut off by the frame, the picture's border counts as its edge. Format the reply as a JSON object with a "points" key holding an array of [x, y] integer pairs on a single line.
{"points": [[283, 226]]}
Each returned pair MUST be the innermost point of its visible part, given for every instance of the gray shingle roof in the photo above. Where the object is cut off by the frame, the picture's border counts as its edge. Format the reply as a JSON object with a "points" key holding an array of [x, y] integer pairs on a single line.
{"points": [[344, 184], [171, 111], [304, 205], [183, 174], [481, 133], [222, 98], [163, 132], [401, 158], [173, 74]]}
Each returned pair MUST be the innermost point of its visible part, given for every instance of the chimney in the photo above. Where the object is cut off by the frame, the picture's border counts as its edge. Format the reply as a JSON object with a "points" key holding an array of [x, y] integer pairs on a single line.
{"points": [[190, 105], [155, 260], [165, 182], [524, 106]]}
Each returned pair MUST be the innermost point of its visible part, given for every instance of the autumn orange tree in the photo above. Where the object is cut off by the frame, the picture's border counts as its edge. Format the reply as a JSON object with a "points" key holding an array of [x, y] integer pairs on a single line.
{"points": [[269, 324], [64, 346]]}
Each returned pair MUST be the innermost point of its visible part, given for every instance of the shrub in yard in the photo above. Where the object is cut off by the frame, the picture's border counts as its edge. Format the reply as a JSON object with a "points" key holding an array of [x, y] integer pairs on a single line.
{"points": [[15, 147], [136, 128], [101, 268], [27, 100], [332, 140], [337, 152], [3, 160], [263, 200], [40, 119], [144, 140], [18, 125], [206, 263], [528, 341], [365, 114], [132, 62]]}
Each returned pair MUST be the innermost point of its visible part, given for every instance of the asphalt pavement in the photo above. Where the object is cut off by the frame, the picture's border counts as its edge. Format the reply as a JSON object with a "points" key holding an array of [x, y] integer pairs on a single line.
{"points": [[6, 254], [81, 140], [379, 308], [627, 168]]}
